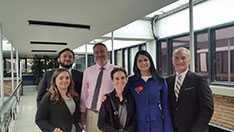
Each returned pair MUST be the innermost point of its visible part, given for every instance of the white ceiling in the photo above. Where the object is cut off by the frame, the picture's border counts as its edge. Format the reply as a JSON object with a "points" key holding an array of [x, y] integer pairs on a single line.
{"points": [[103, 16]]}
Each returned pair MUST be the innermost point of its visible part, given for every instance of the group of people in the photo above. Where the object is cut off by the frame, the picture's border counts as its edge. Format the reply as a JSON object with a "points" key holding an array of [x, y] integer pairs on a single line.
{"points": [[104, 98]]}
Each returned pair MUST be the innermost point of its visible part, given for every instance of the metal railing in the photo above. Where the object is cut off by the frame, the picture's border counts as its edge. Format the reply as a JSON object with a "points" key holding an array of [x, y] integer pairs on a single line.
{"points": [[8, 109]]}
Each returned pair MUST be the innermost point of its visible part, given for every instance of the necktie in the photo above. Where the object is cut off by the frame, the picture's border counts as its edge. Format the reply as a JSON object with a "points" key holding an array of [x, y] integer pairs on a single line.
{"points": [[97, 89], [178, 86]]}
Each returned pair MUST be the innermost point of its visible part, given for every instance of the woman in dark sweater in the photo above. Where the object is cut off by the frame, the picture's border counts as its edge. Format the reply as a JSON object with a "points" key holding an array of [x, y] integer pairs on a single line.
{"points": [[59, 109], [117, 113]]}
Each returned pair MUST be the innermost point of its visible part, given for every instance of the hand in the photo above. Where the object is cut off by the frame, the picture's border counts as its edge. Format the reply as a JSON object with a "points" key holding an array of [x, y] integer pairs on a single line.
{"points": [[83, 117], [83, 127], [57, 130], [103, 98]]}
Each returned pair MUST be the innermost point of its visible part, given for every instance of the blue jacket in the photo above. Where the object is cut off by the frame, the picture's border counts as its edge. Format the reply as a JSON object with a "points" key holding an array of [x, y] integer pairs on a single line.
{"points": [[151, 99]]}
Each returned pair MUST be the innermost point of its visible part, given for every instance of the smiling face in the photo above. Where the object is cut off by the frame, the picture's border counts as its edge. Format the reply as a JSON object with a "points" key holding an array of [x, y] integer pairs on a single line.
{"points": [[119, 81], [66, 59], [143, 64], [100, 54], [63, 81], [181, 60]]}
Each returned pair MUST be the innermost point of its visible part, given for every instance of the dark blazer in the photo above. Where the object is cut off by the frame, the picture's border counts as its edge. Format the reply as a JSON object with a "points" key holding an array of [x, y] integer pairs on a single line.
{"points": [[109, 122], [44, 84], [51, 115], [194, 108]]}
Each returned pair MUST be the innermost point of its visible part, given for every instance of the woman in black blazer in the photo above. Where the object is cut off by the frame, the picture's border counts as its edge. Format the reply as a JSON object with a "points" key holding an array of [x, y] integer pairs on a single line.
{"points": [[117, 113], [59, 109]]}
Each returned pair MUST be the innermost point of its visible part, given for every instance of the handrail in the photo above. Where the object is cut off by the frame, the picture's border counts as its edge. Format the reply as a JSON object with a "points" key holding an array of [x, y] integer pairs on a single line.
{"points": [[2, 108], [9, 108], [17, 87]]}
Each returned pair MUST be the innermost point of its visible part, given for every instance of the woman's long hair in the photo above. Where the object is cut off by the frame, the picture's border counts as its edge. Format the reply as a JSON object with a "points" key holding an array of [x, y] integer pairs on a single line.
{"points": [[55, 95], [152, 68]]}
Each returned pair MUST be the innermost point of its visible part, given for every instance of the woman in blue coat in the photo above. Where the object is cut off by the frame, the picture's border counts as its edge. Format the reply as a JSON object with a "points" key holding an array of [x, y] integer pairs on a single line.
{"points": [[151, 96]]}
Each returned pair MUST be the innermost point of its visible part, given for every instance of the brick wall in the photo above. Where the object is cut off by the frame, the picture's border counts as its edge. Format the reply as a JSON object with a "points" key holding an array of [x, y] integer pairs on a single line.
{"points": [[223, 111]]}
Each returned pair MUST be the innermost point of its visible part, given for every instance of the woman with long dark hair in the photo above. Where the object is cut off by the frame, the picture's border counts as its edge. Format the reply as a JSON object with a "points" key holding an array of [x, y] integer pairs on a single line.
{"points": [[151, 95], [59, 109]]}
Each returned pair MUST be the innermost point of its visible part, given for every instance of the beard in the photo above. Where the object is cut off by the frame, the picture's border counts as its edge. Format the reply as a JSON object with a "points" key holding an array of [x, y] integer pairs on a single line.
{"points": [[67, 66]]}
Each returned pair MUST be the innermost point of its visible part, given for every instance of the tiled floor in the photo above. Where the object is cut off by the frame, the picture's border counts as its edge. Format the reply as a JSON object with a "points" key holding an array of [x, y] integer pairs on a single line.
{"points": [[25, 118]]}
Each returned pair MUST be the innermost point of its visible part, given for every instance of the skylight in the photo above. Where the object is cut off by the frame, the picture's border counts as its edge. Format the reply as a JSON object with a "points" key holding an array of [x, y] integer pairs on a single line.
{"points": [[81, 49], [168, 8], [118, 44], [6, 45]]}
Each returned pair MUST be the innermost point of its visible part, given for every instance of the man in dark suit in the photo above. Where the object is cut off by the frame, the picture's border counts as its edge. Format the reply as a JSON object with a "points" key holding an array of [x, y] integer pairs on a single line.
{"points": [[65, 60], [190, 98]]}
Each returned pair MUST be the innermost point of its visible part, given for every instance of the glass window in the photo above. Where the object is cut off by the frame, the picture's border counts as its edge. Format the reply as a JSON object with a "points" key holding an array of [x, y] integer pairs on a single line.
{"points": [[181, 42], [164, 59], [29, 65], [232, 60], [110, 56], [133, 52], [91, 60], [202, 55], [151, 48], [80, 62], [7, 67], [126, 60], [23, 66], [119, 60], [224, 54]]}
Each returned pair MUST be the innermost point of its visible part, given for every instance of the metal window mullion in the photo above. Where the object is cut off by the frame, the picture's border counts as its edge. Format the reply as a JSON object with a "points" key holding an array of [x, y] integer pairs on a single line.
{"points": [[17, 72], [112, 48], [17, 67], [158, 55], [129, 59], [26, 64], [229, 60], [12, 73], [86, 56], [115, 57], [192, 65], [195, 52], [1, 65], [123, 58], [211, 55], [20, 70], [169, 57]]}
